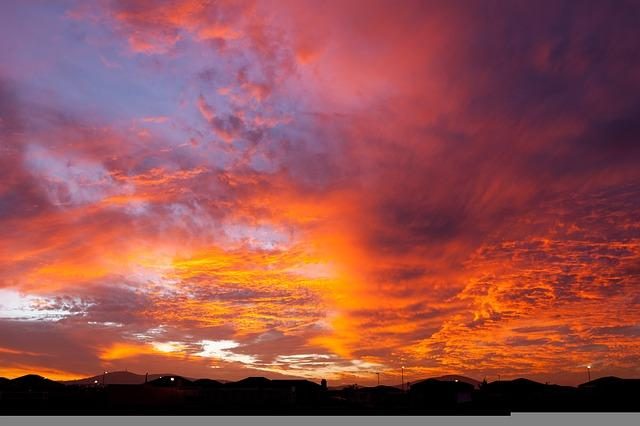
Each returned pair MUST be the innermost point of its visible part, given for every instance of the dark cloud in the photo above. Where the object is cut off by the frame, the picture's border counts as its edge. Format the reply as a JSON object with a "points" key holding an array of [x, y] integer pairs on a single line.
{"points": [[625, 330]]}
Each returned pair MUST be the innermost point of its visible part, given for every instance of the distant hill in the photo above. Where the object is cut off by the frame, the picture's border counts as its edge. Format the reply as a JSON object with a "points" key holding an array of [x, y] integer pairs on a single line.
{"points": [[33, 382], [118, 378], [446, 378], [610, 381], [171, 381], [250, 382], [126, 378], [452, 378], [518, 386], [381, 389], [603, 381]]}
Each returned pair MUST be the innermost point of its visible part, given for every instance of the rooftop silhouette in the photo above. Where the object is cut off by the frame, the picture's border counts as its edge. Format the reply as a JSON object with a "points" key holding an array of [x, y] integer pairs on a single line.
{"points": [[129, 393]]}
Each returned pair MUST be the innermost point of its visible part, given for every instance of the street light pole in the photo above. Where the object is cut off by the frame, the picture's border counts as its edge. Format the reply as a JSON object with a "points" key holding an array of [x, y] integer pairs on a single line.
{"points": [[378, 374], [589, 372]]}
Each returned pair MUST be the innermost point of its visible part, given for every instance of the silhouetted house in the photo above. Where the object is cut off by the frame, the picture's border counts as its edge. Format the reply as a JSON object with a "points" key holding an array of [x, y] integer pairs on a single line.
{"points": [[511, 393], [252, 391], [31, 387], [30, 391], [302, 391], [4, 384], [34, 383], [250, 383], [517, 386], [434, 394], [379, 396], [612, 384], [171, 382], [612, 394], [457, 378], [260, 392], [527, 395], [166, 392], [208, 384], [147, 395]]}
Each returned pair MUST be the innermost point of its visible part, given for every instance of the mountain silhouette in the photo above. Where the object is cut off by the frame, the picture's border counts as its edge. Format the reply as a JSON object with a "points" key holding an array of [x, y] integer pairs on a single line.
{"points": [[435, 389], [125, 392], [453, 378], [171, 381], [517, 386], [250, 382], [609, 381], [446, 378], [117, 378], [33, 382], [381, 389], [612, 386]]}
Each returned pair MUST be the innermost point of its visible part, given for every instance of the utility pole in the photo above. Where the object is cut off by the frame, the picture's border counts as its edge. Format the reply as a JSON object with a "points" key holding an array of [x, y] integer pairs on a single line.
{"points": [[378, 374], [402, 378]]}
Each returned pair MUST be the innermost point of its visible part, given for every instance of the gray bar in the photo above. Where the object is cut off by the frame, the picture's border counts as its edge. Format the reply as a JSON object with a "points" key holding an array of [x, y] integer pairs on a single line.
{"points": [[581, 419]]}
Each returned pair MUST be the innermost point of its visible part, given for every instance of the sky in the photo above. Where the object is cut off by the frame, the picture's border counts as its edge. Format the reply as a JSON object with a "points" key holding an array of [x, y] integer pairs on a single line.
{"points": [[320, 189]]}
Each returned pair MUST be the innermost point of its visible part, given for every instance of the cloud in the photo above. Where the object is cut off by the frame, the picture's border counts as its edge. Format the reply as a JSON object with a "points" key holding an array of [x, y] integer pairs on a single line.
{"points": [[221, 350], [21, 307], [70, 181], [155, 27], [284, 186]]}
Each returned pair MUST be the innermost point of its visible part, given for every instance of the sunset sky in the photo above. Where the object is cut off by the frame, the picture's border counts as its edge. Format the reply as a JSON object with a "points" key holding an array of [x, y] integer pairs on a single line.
{"points": [[320, 189]]}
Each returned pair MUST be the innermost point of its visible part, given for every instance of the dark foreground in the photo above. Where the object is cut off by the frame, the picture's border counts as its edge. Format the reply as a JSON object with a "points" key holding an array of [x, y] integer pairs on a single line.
{"points": [[34, 395]]}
